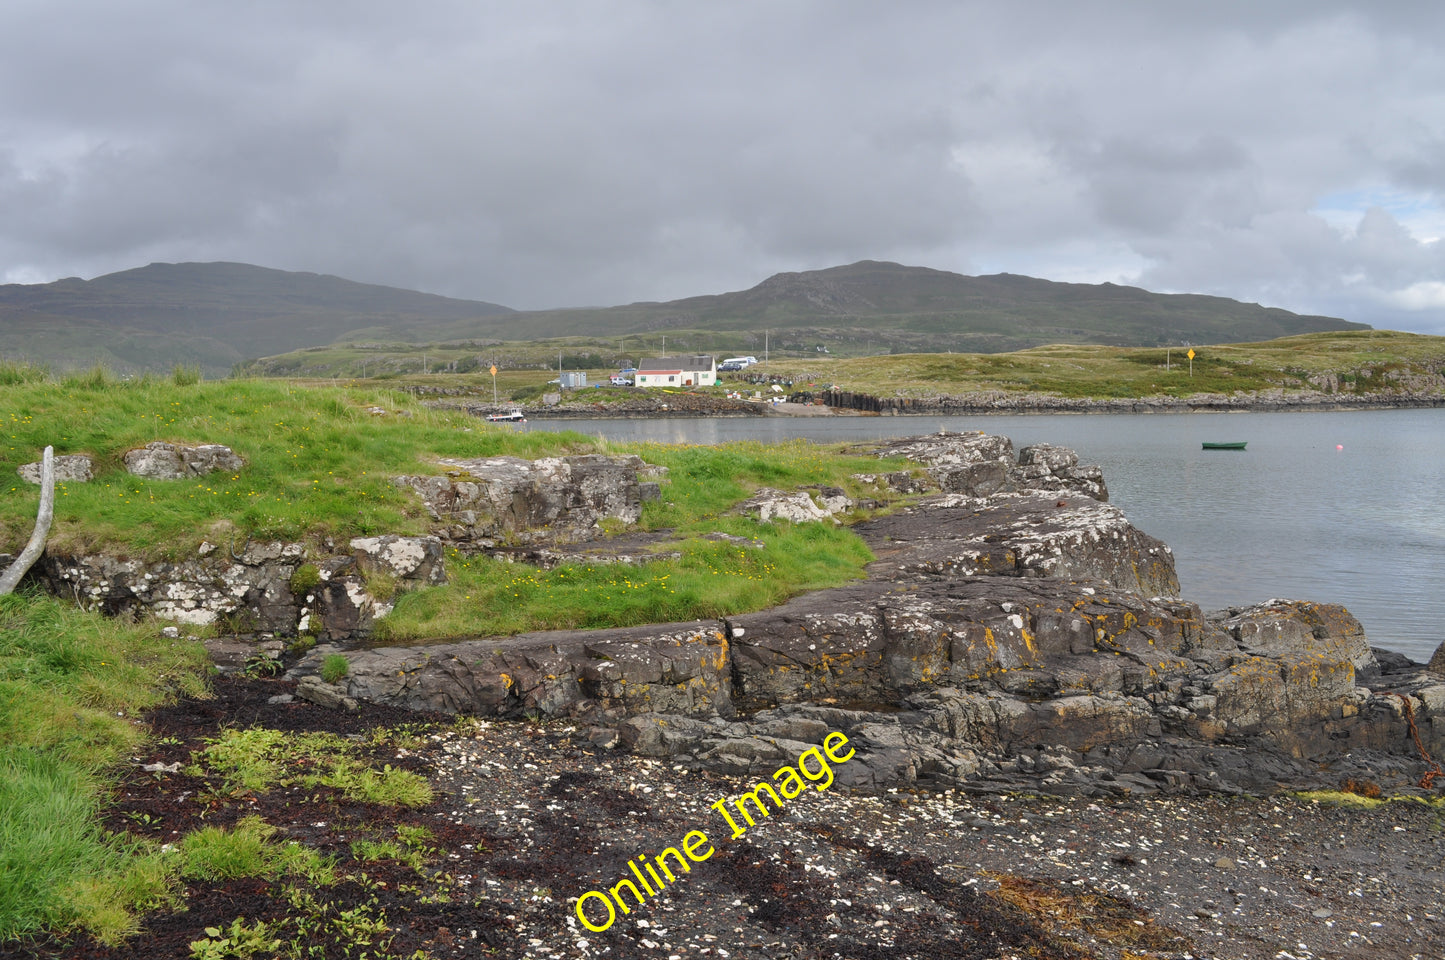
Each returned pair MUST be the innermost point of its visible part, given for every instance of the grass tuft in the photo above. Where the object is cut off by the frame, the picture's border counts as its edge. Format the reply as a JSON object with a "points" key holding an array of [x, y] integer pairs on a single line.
{"points": [[334, 667]]}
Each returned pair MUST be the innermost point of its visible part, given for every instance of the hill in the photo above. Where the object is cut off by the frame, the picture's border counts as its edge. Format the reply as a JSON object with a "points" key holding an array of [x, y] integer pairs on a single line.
{"points": [[917, 309], [213, 315], [209, 315]]}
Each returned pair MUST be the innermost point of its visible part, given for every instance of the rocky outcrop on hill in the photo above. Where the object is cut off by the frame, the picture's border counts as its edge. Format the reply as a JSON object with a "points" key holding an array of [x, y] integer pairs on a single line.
{"points": [[554, 499], [980, 465], [1024, 638], [538, 507], [170, 461]]}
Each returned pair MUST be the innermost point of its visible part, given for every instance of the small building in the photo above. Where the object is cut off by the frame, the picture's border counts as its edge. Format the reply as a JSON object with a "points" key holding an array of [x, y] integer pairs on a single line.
{"points": [[690, 371], [573, 379]]}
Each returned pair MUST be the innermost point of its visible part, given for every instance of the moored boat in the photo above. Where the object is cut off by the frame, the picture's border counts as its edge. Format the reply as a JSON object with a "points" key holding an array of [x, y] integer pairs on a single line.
{"points": [[516, 416]]}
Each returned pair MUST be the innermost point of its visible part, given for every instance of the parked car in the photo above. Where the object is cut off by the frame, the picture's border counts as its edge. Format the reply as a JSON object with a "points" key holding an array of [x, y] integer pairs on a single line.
{"points": [[730, 365], [618, 380]]}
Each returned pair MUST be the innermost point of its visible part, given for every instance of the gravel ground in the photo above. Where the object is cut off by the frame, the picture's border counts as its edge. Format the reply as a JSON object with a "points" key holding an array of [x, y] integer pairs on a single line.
{"points": [[946, 875], [529, 817]]}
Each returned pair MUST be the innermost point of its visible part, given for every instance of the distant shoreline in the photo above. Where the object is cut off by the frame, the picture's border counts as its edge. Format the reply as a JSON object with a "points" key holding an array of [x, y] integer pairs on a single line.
{"points": [[842, 403], [1015, 404]]}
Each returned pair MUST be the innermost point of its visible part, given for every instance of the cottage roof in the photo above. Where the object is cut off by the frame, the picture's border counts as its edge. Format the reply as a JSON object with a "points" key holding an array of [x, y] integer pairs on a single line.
{"points": [[675, 364]]}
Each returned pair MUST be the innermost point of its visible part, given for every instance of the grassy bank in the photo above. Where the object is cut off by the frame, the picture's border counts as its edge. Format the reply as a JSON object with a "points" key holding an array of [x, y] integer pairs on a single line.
{"points": [[319, 463], [318, 460], [70, 684], [72, 687]]}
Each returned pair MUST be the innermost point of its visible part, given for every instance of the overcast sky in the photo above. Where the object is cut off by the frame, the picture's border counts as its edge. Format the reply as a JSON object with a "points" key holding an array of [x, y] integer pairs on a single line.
{"points": [[543, 154]]}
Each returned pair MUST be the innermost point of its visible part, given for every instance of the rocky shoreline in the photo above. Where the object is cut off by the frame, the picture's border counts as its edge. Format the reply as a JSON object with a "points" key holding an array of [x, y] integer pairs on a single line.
{"points": [[1022, 403], [1056, 755], [648, 405], [1016, 633]]}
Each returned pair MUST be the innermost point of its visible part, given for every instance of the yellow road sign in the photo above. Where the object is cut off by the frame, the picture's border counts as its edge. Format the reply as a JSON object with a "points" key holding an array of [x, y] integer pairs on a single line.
{"points": [[1191, 353], [494, 369]]}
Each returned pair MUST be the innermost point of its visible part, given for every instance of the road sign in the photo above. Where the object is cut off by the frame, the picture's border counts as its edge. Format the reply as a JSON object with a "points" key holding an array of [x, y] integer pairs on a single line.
{"points": [[1190, 354]]}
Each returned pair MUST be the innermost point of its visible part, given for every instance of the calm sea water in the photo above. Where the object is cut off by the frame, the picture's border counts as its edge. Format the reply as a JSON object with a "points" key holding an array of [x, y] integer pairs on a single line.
{"points": [[1335, 507]]}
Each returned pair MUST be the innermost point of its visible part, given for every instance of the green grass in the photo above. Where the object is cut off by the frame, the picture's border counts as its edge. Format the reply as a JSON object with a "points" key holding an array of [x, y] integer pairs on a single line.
{"points": [[214, 853], [712, 578], [334, 667], [1345, 798], [257, 759], [69, 684], [1369, 360], [317, 463], [70, 681]]}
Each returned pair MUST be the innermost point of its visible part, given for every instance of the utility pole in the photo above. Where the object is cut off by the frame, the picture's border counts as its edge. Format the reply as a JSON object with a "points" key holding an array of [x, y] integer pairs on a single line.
{"points": [[765, 345]]}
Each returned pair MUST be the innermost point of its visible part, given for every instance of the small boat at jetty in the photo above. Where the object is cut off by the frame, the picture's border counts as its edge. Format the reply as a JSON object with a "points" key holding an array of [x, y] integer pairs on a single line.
{"points": [[516, 416], [1232, 445]]}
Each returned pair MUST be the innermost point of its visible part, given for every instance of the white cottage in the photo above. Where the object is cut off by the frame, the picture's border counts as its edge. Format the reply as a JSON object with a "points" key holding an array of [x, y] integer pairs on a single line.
{"points": [[693, 371]]}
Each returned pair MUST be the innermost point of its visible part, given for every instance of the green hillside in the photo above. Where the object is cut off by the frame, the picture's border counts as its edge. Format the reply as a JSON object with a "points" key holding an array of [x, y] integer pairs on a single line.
{"points": [[213, 315], [208, 315], [886, 307]]}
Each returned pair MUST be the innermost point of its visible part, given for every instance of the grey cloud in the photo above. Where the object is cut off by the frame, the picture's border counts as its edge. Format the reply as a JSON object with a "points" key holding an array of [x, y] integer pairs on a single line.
{"points": [[584, 153]]}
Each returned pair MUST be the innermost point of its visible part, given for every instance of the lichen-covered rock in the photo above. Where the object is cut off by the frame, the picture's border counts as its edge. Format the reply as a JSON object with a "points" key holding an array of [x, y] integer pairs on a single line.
{"points": [[795, 507], [251, 589], [170, 461], [981, 465], [1287, 627], [1019, 535], [341, 608], [972, 464], [666, 668], [419, 560], [1043, 466], [554, 499], [68, 467], [1437, 662]]}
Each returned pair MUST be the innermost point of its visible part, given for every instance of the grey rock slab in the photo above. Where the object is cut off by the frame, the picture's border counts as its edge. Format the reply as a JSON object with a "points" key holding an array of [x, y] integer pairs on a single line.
{"points": [[68, 467], [1288, 627], [169, 461], [1019, 535], [549, 500]]}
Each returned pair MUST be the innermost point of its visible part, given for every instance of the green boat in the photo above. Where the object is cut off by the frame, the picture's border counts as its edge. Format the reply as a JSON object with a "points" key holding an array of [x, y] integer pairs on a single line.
{"points": [[1236, 445]]}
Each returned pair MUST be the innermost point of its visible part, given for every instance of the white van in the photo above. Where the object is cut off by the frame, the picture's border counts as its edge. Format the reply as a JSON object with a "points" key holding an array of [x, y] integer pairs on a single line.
{"points": [[739, 363]]}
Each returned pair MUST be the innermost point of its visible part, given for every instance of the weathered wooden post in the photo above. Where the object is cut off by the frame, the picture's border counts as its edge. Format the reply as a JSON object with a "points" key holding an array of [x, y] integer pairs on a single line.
{"points": [[11, 577]]}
